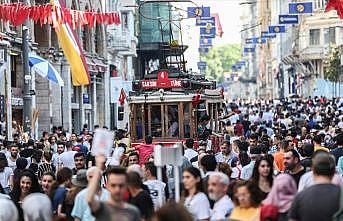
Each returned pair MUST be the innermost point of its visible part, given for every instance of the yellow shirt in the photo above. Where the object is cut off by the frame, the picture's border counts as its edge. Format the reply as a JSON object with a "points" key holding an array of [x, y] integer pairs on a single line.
{"points": [[316, 148], [244, 214]]}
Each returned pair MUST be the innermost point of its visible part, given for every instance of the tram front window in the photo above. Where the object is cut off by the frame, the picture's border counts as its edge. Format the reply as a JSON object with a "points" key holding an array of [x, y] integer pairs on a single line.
{"points": [[156, 121], [173, 121]]}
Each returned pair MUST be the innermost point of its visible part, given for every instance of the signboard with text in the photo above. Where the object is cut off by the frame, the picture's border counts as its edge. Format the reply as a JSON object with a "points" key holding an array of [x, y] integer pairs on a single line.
{"points": [[162, 82]]}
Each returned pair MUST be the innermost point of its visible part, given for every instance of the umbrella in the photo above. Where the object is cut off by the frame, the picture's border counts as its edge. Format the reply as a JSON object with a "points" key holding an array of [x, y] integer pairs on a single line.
{"points": [[45, 69]]}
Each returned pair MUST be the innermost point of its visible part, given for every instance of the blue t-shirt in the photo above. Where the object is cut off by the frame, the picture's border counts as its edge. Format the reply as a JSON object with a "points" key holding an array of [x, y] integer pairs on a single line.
{"points": [[59, 197]]}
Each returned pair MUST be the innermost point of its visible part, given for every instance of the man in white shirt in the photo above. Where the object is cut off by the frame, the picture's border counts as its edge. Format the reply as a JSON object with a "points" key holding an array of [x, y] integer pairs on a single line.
{"points": [[226, 154], [217, 190], [81, 210], [13, 158], [56, 158], [67, 157], [156, 187], [189, 151]]}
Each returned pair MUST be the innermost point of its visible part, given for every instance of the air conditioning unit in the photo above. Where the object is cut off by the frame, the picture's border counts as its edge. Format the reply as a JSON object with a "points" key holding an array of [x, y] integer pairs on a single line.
{"points": [[2, 56]]}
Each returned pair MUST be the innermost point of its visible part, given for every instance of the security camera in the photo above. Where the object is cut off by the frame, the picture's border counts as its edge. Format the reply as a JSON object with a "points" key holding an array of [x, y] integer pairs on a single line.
{"points": [[25, 28], [161, 91]]}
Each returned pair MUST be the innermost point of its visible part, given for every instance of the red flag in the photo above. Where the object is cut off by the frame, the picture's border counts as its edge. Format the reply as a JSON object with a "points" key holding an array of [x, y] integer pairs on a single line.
{"points": [[196, 100], [335, 5], [219, 27], [122, 97]]}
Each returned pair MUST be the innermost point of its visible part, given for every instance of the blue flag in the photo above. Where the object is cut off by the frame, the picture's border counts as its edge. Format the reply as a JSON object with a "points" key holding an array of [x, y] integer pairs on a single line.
{"points": [[288, 19], [202, 65], [300, 8], [249, 41], [205, 41], [265, 34], [194, 12], [277, 29], [249, 50], [205, 21], [203, 50], [259, 40]]}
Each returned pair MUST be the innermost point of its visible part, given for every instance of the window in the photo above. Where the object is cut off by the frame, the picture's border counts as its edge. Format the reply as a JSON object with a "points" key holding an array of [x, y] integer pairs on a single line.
{"points": [[330, 35], [97, 39], [156, 121], [172, 121], [125, 20], [314, 36]]}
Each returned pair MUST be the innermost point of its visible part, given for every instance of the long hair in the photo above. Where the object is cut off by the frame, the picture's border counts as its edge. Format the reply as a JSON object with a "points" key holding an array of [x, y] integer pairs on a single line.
{"points": [[35, 188], [255, 198], [256, 175], [63, 175], [195, 172]]}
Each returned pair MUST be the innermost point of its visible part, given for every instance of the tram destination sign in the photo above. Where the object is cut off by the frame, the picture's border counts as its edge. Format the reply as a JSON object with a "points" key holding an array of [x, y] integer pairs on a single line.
{"points": [[162, 82]]}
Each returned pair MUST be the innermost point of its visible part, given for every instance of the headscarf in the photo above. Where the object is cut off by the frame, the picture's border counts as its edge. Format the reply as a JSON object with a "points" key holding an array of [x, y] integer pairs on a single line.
{"points": [[8, 211], [37, 207], [282, 193]]}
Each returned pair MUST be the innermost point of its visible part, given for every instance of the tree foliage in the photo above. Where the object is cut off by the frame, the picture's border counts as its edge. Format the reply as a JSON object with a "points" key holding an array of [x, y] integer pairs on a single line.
{"points": [[333, 70], [219, 60]]}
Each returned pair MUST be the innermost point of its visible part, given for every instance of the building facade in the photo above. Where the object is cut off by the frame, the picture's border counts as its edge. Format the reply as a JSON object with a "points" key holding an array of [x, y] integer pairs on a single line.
{"points": [[109, 52], [293, 62]]}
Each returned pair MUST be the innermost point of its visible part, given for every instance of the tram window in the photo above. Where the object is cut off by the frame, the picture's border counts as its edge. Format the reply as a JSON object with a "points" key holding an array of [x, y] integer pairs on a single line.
{"points": [[186, 120], [139, 126], [173, 121], [156, 121]]}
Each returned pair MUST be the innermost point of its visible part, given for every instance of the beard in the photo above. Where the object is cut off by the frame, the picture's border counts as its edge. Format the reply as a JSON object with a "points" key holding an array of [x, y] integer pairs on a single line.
{"points": [[14, 155], [213, 196]]}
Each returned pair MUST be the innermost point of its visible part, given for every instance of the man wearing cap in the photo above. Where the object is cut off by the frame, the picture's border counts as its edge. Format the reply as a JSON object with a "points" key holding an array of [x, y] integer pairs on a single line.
{"points": [[81, 210]]}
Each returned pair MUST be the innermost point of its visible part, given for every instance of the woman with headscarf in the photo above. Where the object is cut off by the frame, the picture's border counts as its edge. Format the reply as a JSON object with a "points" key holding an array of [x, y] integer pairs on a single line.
{"points": [[279, 200]]}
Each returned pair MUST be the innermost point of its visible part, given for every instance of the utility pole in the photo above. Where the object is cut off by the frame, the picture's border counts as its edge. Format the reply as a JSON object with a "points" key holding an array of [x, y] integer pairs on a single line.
{"points": [[27, 109]]}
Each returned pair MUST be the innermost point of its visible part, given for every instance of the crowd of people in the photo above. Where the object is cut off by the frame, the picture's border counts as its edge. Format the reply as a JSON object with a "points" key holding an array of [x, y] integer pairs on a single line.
{"points": [[277, 161]]}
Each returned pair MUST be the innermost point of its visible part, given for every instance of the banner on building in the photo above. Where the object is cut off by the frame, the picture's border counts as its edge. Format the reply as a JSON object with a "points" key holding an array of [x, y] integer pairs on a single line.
{"points": [[194, 12], [300, 8], [288, 19], [277, 29]]}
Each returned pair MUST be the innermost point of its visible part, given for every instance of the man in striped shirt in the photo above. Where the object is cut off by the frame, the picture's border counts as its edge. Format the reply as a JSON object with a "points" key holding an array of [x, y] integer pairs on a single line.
{"points": [[47, 166]]}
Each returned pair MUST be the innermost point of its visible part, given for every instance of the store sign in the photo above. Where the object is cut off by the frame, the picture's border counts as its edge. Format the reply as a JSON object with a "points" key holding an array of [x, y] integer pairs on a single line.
{"points": [[162, 82], [85, 98]]}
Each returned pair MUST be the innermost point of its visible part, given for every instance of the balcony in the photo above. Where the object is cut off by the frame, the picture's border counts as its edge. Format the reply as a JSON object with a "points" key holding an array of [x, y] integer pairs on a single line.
{"points": [[122, 42], [312, 52]]}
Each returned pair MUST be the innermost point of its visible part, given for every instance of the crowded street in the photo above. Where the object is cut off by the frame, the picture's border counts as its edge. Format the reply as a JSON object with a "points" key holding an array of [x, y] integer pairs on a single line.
{"points": [[171, 110]]}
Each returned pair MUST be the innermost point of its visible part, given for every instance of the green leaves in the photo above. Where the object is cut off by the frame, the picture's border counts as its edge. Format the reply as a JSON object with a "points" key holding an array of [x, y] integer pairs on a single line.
{"points": [[220, 59], [333, 69]]}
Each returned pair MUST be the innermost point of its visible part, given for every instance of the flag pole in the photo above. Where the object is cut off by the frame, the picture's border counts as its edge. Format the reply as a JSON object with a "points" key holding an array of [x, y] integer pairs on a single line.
{"points": [[27, 98]]}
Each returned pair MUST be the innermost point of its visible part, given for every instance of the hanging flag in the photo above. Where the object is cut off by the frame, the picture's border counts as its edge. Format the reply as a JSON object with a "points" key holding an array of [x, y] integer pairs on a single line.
{"points": [[204, 21], [277, 29], [203, 50], [249, 50], [265, 34], [219, 27], [72, 50], [288, 19], [202, 65], [300, 8], [249, 41], [208, 32], [122, 97], [335, 5], [194, 12], [259, 40], [45, 69], [205, 42]]}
